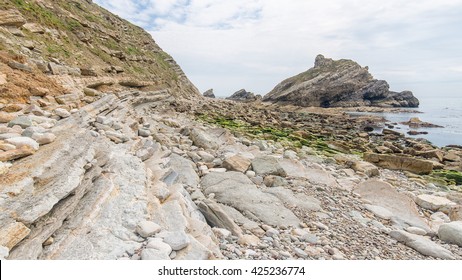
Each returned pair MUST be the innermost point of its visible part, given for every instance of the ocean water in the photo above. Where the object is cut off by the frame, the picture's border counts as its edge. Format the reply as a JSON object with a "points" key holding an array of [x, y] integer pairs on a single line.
{"points": [[443, 111]]}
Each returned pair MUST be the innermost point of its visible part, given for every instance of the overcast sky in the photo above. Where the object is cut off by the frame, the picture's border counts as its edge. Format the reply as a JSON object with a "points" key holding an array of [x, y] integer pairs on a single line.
{"points": [[255, 44]]}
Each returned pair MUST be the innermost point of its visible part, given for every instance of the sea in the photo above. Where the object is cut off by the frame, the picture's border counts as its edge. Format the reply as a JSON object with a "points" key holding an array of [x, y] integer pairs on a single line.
{"points": [[442, 111]]}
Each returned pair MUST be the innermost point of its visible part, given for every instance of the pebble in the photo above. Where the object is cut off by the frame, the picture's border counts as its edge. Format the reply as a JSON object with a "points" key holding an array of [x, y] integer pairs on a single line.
{"points": [[300, 253]]}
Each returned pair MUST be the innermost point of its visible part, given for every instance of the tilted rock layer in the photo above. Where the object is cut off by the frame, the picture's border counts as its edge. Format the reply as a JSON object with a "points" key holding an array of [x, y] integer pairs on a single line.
{"points": [[338, 83]]}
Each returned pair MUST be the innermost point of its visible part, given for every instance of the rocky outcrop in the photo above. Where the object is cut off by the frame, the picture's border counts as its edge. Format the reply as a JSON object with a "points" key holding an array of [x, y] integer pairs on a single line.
{"points": [[338, 83], [209, 93], [244, 96]]}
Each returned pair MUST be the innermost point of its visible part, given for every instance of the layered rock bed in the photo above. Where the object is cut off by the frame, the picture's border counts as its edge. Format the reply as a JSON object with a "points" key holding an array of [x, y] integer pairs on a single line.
{"points": [[141, 175]]}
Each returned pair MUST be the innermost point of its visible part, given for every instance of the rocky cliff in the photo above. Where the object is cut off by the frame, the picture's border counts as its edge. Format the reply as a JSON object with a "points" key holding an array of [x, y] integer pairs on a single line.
{"points": [[338, 83], [67, 46]]}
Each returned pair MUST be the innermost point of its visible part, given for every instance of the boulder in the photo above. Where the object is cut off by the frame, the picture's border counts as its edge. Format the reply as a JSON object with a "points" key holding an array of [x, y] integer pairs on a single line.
{"points": [[202, 139], [68, 99], [451, 233], [366, 168], [177, 240], [237, 163], [20, 66], [422, 245], [22, 121], [159, 244], [57, 69], [235, 189], [434, 203], [217, 217], [44, 138], [402, 207], [20, 142], [147, 228], [62, 113], [396, 162], [267, 165]]}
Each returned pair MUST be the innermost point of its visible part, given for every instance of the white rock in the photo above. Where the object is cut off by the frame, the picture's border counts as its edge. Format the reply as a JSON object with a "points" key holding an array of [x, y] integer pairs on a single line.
{"points": [[221, 233], [44, 138], [154, 255], [416, 230], [250, 173], [440, 216], [19, 142], [422, 244], [434, 203], [272, 232], [147, 228], [177, 240], [63, 113], [159, 244], [379, 211], [451, 233]]}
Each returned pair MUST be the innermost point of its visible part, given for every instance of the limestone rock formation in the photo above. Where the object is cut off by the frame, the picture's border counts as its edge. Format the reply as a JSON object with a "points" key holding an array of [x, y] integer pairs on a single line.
{"points": [[244, 96], [209, 93], [338, 83]]}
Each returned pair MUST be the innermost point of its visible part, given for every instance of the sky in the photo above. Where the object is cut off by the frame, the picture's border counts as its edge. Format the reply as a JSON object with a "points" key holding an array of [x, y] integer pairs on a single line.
{"points": [[255, 44]]}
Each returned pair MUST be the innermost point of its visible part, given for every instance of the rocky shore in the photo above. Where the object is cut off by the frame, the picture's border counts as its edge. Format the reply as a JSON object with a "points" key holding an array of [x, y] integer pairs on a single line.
{"points": [[126, 160], [133, 176]]}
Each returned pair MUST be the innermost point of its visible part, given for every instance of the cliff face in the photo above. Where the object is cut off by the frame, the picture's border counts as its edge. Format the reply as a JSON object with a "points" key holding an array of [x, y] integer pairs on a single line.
{"points": [[338, 83], [65, 46]]}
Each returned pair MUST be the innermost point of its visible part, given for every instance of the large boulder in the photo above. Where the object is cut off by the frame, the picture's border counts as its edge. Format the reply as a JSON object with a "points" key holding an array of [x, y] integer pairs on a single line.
{"points": [[422, 245], [396, 162], [451, 233], [338, 83], [402, 207], [237, 190]]}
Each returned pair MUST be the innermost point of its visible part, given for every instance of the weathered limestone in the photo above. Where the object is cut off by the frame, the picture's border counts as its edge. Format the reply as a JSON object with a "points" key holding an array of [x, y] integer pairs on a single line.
{"points": [[236, 189], [422, 244], [396, 162], [404, 209], [434, 203]]}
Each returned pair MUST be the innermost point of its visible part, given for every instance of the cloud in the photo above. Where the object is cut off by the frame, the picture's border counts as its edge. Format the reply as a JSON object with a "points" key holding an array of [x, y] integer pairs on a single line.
{"points": [[254, 44]]}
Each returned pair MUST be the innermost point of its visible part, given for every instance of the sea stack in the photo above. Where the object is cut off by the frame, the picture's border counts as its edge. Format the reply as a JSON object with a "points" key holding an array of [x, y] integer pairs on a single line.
{"points": [[338, 83]]}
